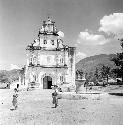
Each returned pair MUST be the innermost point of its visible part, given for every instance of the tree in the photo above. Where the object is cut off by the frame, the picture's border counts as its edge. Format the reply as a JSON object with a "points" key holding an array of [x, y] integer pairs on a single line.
{"points": [[4, 79], [105, 72], [89, 76], [118, 60], [96, 74], [79, 74]]}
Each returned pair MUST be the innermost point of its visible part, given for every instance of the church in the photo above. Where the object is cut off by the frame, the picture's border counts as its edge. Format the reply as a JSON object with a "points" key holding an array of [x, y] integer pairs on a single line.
{"points": [[49, 61]]}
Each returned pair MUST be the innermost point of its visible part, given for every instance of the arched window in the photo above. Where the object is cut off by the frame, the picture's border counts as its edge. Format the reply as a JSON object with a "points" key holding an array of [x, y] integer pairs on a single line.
{"points": [[61, 60], [52, 42], [30, 61], [45, 41], [34, 60], [62, 78], [38, 60]]}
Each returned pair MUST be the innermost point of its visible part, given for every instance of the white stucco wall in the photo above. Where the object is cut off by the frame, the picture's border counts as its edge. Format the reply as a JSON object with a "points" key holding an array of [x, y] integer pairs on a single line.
{"points": [[53, 58]]}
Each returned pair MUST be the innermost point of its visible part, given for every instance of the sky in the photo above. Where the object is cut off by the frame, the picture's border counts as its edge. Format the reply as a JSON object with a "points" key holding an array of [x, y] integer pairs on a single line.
{"points": [[92, 26]]}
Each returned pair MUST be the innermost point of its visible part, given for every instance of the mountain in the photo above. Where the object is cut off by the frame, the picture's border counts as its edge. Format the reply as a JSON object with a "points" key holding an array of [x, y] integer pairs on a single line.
{"points": [[9, 76], [89, 64]]}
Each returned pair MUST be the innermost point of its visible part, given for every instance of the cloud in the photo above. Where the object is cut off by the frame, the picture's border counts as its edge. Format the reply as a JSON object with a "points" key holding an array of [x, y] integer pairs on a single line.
{"points": [[91, 39], [80, 56], [12, 66], [112, 24], [61, 34]]}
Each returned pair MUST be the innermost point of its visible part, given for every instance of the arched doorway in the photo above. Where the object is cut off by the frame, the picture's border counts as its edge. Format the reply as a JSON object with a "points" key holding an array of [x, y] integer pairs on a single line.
{"points": [[47, 82]]}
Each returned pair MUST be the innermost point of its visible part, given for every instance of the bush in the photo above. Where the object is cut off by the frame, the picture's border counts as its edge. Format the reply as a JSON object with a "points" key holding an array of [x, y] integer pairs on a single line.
{"points": [[116, 83]]}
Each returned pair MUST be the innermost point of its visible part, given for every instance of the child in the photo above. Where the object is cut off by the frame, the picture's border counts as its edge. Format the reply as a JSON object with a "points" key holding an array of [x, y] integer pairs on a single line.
{"points": [[14, 101]]}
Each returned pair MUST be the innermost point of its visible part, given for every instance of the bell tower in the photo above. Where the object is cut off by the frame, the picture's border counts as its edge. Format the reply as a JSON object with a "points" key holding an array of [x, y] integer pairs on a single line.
{"points": [[48, 27]]}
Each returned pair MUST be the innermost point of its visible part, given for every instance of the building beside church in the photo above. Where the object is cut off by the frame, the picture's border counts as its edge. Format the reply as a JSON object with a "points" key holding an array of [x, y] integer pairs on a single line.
{"points": [[49, 61]]}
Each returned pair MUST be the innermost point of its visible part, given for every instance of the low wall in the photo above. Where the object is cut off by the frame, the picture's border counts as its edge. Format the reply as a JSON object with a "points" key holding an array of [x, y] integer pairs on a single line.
{"points": [[74, 96]]}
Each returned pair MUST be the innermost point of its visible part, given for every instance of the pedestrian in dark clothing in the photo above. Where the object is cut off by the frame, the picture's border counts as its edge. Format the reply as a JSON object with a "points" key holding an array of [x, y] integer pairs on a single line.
{"points": [[17, 87], [55, 98], [86, 85], [14, 101]]}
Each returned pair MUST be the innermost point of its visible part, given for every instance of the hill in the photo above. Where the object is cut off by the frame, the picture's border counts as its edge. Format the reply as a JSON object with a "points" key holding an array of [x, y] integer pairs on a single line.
{"points": [[9, 76], [89, 64]]}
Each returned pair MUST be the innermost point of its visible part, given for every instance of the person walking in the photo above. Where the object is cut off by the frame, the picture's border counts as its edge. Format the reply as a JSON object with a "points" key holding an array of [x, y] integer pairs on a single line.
{"points": [[86, 85], [14, 101], [55, 98]]}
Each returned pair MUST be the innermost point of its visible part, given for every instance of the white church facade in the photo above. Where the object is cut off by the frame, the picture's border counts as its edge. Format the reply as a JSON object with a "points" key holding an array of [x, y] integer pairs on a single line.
{"points": [[49, 61]]}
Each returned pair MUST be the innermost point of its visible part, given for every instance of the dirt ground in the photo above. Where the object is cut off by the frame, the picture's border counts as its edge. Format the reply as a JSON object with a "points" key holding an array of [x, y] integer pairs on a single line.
{"points": [[36, 108], [109, 89]]}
